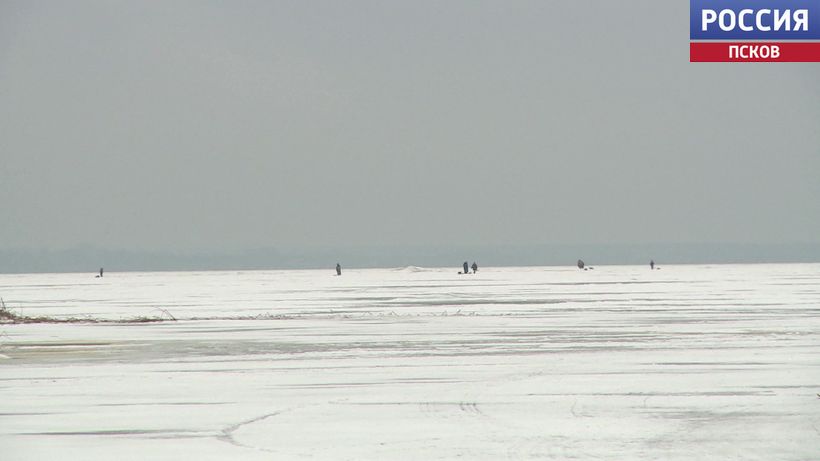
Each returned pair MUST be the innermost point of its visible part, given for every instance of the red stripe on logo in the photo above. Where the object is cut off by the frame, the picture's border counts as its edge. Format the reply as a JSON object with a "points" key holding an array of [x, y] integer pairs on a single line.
{"points": [[754, 52]]}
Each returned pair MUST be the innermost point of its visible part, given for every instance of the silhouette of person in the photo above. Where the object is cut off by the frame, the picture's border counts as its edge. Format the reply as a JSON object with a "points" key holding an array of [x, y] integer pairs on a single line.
{"points": [[101, 272], [652, 264], [475, 267], [466, 268], [580, 264], [338, 269]]}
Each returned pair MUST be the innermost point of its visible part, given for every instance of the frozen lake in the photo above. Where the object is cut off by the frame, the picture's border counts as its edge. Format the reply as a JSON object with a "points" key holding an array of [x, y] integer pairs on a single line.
{"points": [[686, 362]]}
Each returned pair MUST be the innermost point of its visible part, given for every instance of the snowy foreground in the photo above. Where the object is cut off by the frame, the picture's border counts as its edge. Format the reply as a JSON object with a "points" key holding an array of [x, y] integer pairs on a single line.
{"points": [[685, 363]]}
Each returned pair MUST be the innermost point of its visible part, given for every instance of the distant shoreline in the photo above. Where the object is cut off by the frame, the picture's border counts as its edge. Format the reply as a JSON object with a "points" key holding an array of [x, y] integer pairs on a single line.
{"points": [[90, 259]]}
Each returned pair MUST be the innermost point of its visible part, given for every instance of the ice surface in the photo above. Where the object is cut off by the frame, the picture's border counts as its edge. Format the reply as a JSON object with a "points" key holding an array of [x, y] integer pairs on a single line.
{"points": [[686, 362]]}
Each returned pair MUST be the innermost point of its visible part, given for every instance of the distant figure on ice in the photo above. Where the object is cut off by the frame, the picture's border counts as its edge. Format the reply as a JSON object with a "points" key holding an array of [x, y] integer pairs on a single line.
{"points": [[466, 268], [580, 264], [652, 264], [338, 269], [101, 273], [475, 267]]}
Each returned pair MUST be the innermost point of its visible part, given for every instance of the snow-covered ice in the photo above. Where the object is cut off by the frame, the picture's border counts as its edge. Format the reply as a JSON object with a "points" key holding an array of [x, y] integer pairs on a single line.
{"points": [[687, 362]]}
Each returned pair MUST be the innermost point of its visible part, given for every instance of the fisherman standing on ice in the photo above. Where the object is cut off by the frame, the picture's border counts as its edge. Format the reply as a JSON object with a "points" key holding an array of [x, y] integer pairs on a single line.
{"points": [[338, 269], [652, 264], [466, 268], [475, 267]]}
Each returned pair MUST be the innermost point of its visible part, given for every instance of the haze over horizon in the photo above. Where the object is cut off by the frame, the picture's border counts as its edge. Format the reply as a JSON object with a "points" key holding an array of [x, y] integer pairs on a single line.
{"points": [[539, 128]]}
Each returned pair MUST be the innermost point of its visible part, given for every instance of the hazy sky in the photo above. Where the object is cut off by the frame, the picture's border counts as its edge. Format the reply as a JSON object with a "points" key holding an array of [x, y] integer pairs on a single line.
{"points": [[213, 125]]}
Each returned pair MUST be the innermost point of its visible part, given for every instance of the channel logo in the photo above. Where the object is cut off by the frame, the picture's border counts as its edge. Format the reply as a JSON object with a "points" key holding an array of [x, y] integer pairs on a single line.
{"points": [[754, 30]]}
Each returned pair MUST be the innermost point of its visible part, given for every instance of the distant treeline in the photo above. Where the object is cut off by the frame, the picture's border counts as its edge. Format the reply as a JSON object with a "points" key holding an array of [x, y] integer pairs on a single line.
{"points": [[88, 259]]}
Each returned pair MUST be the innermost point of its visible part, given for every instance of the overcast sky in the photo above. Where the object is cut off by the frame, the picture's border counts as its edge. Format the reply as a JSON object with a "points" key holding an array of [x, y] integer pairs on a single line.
{"points": [[222, 126]]}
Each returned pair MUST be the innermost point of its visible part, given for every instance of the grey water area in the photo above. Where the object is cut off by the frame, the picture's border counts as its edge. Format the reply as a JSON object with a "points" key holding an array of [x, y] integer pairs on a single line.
{"points": [[618, 362]]}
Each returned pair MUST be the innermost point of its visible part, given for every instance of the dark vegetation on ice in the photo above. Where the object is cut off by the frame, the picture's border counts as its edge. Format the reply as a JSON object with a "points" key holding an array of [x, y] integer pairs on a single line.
{"points": [[8, 316]]}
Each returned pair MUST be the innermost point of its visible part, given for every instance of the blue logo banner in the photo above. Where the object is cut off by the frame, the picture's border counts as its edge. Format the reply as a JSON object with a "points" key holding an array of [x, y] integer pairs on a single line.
{"points": [[754, 19]]}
